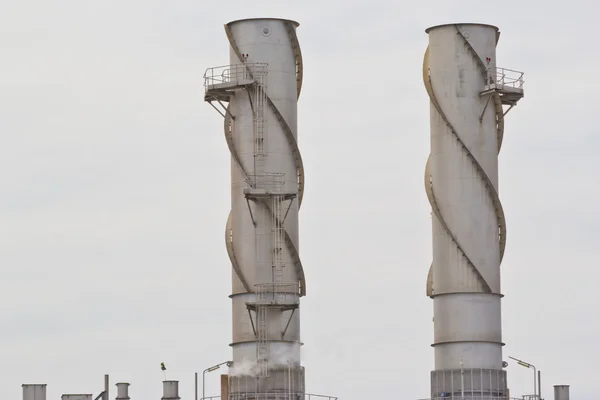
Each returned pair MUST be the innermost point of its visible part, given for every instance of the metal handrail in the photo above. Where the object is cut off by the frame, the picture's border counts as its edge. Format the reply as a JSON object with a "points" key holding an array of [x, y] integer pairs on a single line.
{"points": [[505, 77], [281, 289], [279, 396], [231, 73], [268, 179], [459, 397]]}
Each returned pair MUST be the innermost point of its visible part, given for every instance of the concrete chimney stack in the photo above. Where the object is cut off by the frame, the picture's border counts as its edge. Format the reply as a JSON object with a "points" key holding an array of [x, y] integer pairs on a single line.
{"points": [[171, 390], [34, 392], [561, 392], [76, 397], [122, 391]]}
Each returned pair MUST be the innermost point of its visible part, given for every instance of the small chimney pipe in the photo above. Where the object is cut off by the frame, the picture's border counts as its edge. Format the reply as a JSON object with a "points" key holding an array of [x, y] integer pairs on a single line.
{"points": [[34, 391], [122, 391], [561, 392], [171, 390]]}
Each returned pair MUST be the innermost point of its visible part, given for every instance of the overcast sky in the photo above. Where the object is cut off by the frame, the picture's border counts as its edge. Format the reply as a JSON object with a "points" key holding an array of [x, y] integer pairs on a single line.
{"points": [[114, 193]]}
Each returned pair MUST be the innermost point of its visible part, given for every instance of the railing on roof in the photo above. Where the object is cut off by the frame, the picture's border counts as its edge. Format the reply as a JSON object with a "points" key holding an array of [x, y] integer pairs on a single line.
{"points": [[459, 397], [275, 396]]}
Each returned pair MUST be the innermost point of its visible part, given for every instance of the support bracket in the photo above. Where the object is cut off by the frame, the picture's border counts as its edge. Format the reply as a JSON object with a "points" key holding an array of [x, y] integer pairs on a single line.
{"points": [[288, 324], [505, 112], [250, 210], [225, 110], [252, 323], [288, 210], [485, 107]]}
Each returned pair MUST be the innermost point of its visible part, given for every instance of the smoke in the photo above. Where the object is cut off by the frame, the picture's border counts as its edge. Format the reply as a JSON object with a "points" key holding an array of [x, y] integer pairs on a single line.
{"points": [[243, 368], [280, 357]]}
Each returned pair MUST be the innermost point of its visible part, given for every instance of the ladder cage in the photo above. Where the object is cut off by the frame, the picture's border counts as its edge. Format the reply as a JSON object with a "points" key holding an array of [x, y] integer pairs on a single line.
{"points": [[279, 248], [270, 295]]}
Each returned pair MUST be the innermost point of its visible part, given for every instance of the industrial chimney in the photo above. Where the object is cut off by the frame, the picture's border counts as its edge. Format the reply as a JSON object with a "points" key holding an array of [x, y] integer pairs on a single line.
{"points": [[561, 392], [170, 390], [467, 92], [122, 391], [34, 391], [261, 86]]}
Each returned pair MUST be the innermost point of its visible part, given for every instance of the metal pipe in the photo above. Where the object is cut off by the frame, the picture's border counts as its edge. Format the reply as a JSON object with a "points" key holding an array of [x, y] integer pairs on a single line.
{"points": [[106, 388], [171, 390], [195, 386], [561, 392], [122, 391], [34, 391], [540, 384], [462, 380], [534, 381]]}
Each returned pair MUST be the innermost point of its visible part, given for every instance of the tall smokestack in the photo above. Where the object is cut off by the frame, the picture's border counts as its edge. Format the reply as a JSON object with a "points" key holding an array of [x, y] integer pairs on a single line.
{"points": [[262, 86], [467, 93], [122, 391], [561, 392], [34, 391], [171, 390]]}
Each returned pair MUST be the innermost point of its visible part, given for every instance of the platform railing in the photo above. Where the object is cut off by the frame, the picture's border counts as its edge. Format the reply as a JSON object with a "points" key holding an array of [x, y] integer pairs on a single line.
{"points": [[232, 73], [275, 396], [504, 77], [459, 397]]}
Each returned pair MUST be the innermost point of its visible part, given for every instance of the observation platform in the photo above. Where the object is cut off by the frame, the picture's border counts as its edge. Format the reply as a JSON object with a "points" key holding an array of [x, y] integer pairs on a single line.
{"points": [[252, 193], [507, 83], [220, 82], [272, 305], [279, 296], [267, 185]]}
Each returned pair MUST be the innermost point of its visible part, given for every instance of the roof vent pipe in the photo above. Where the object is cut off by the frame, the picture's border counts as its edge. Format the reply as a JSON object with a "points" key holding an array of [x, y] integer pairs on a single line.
{"points": [[34, 392], [561, 392], [171, 390], [122, 391]]}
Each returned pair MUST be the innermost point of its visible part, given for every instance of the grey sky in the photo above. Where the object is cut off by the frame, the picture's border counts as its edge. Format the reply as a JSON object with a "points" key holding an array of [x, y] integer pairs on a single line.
{"points": [[114, 193]]}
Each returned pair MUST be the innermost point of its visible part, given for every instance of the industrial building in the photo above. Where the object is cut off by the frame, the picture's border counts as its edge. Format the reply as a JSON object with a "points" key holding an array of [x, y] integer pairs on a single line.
{"points": [[256, 94], [38, 392]]}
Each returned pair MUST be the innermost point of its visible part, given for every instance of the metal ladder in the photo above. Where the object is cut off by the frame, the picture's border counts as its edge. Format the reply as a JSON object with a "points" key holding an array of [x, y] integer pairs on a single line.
{"points": [[263, 348], [260, 101], [278, 239]]}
